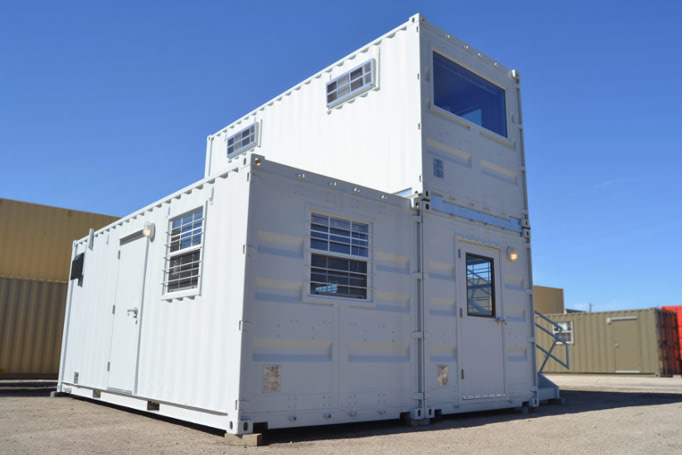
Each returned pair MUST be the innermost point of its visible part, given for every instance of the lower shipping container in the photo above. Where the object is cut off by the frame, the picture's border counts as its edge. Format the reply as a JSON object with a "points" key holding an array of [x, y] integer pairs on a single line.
{"points": [[272, 297]]}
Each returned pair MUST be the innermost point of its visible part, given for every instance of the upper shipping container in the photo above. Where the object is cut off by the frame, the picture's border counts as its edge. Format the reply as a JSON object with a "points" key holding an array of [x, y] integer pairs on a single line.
{"points": [[416, 110]]}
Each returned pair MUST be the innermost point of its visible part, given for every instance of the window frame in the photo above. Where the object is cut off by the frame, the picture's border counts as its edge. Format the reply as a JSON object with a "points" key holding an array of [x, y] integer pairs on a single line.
{"points": [[493, 303], [242, 148], [308, 294], [568, 331], [464, 121], [187, 291], [351, 93]]}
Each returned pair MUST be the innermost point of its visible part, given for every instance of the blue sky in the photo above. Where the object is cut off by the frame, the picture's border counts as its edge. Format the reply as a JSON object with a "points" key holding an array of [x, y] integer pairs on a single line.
{"points": [[105, 107]]}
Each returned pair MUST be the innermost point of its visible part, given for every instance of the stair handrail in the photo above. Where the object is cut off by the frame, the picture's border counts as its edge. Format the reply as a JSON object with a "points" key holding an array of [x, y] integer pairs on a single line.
{"points": [[556, 337]]}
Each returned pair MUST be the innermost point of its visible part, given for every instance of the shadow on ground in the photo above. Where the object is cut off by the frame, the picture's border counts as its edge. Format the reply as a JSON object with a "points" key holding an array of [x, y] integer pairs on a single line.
{"points": [[575, 402], [19, 388]]}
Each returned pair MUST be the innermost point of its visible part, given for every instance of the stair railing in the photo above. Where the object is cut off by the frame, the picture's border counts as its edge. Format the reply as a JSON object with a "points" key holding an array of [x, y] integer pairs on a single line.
{"points": [[556, 337]]}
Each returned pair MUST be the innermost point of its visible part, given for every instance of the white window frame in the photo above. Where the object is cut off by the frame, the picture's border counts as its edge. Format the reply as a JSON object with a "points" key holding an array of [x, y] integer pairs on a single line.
{"points": [[568, 330], [506, 140], [330, 298], [188, 291], [253, 134], [352, 93]]}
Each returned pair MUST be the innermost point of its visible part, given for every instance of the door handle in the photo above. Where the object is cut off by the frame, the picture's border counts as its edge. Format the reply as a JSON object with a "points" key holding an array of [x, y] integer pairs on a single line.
{"points": [[134, 311], [501, 320]]}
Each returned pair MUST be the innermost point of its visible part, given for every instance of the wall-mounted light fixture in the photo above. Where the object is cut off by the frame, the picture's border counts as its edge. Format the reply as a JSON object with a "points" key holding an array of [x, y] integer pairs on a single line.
{"points": [[148, 230], [512, 254]]}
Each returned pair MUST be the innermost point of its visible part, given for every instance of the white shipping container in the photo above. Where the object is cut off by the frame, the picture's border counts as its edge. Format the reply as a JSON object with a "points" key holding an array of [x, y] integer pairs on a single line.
{"points": [[280, 295]]}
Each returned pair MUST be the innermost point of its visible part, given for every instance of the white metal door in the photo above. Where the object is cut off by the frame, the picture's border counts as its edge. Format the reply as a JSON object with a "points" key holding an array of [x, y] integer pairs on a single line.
{"points": [[123, 357], [481, 327]]}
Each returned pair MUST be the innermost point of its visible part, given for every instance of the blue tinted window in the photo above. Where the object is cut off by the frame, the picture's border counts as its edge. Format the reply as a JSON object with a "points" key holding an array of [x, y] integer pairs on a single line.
{"points": [[461, 92]]}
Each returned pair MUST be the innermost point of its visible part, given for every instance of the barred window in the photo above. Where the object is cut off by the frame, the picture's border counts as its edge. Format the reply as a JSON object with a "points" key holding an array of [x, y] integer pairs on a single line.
{"points": [[564, 330], [185, 240], [342, 272], [350, 83], [243, 140]]}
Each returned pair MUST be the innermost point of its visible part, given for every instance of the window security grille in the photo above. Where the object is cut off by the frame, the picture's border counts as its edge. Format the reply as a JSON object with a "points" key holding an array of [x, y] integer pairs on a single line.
{"points": [[350, 83], [243, 140], [185, 240], [334, 274], [566, 332]]}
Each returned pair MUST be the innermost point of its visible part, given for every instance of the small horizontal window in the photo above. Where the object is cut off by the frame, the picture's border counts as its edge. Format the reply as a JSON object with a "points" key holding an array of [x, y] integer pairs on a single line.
{"points": [[463, 93], [350, 83], [243, 140], [564, 331]]}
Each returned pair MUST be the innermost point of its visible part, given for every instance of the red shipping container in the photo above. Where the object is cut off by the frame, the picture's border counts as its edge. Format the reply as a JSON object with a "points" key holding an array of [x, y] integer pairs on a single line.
{"points": [[677, 310]]}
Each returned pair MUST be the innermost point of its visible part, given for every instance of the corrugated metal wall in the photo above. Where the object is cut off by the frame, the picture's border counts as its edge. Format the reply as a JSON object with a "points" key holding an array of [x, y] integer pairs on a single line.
{"points": [[31, 320], [615, 341], [548, 300], [35, 257], [677, 311], [36, 240]]}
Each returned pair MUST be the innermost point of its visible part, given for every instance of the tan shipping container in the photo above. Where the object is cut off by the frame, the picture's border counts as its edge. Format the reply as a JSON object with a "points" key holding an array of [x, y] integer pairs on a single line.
{"points": [[629, 341], [31, 321], [35, 257], [548, 300], [36, 240]]}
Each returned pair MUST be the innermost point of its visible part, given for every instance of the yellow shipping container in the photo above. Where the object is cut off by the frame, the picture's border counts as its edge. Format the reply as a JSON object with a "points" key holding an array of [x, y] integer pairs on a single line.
{"points": [[36, 240]]}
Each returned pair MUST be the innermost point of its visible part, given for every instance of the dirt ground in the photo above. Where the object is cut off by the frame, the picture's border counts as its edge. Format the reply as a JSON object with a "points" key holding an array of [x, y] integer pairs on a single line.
{"points": [[601, 415]]}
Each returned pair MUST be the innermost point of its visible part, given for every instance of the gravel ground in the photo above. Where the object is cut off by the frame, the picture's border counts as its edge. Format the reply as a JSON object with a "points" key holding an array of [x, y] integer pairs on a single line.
{"points": [[624, 419]]}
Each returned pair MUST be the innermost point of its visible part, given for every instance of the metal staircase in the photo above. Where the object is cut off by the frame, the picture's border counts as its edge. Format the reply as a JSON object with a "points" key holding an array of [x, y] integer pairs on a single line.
{"points": [[547, 390]]}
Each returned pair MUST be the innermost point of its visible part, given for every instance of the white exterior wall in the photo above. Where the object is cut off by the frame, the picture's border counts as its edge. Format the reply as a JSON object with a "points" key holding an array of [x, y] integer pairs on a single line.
{"points": [[498, 358], [372, 140], [188, 347], [341, 359], [483, 171]]}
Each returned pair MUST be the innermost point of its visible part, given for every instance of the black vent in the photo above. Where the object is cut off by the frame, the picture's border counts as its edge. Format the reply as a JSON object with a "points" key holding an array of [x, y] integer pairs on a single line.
{"points": [[77, 266]]}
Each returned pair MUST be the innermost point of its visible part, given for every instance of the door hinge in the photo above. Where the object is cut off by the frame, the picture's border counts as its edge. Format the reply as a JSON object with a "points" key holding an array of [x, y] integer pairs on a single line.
{"points": [[119, 254], [113, 309], [109, 366], [462, 373], [460, 313], [459, 253], [418, 335], [418, 275], [418, 396]]}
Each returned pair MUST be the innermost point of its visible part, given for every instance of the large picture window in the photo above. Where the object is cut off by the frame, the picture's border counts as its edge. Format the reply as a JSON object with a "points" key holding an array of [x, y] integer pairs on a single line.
{"points": [[467, 95], [339, 257], [480, 286], [185, 240]]}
